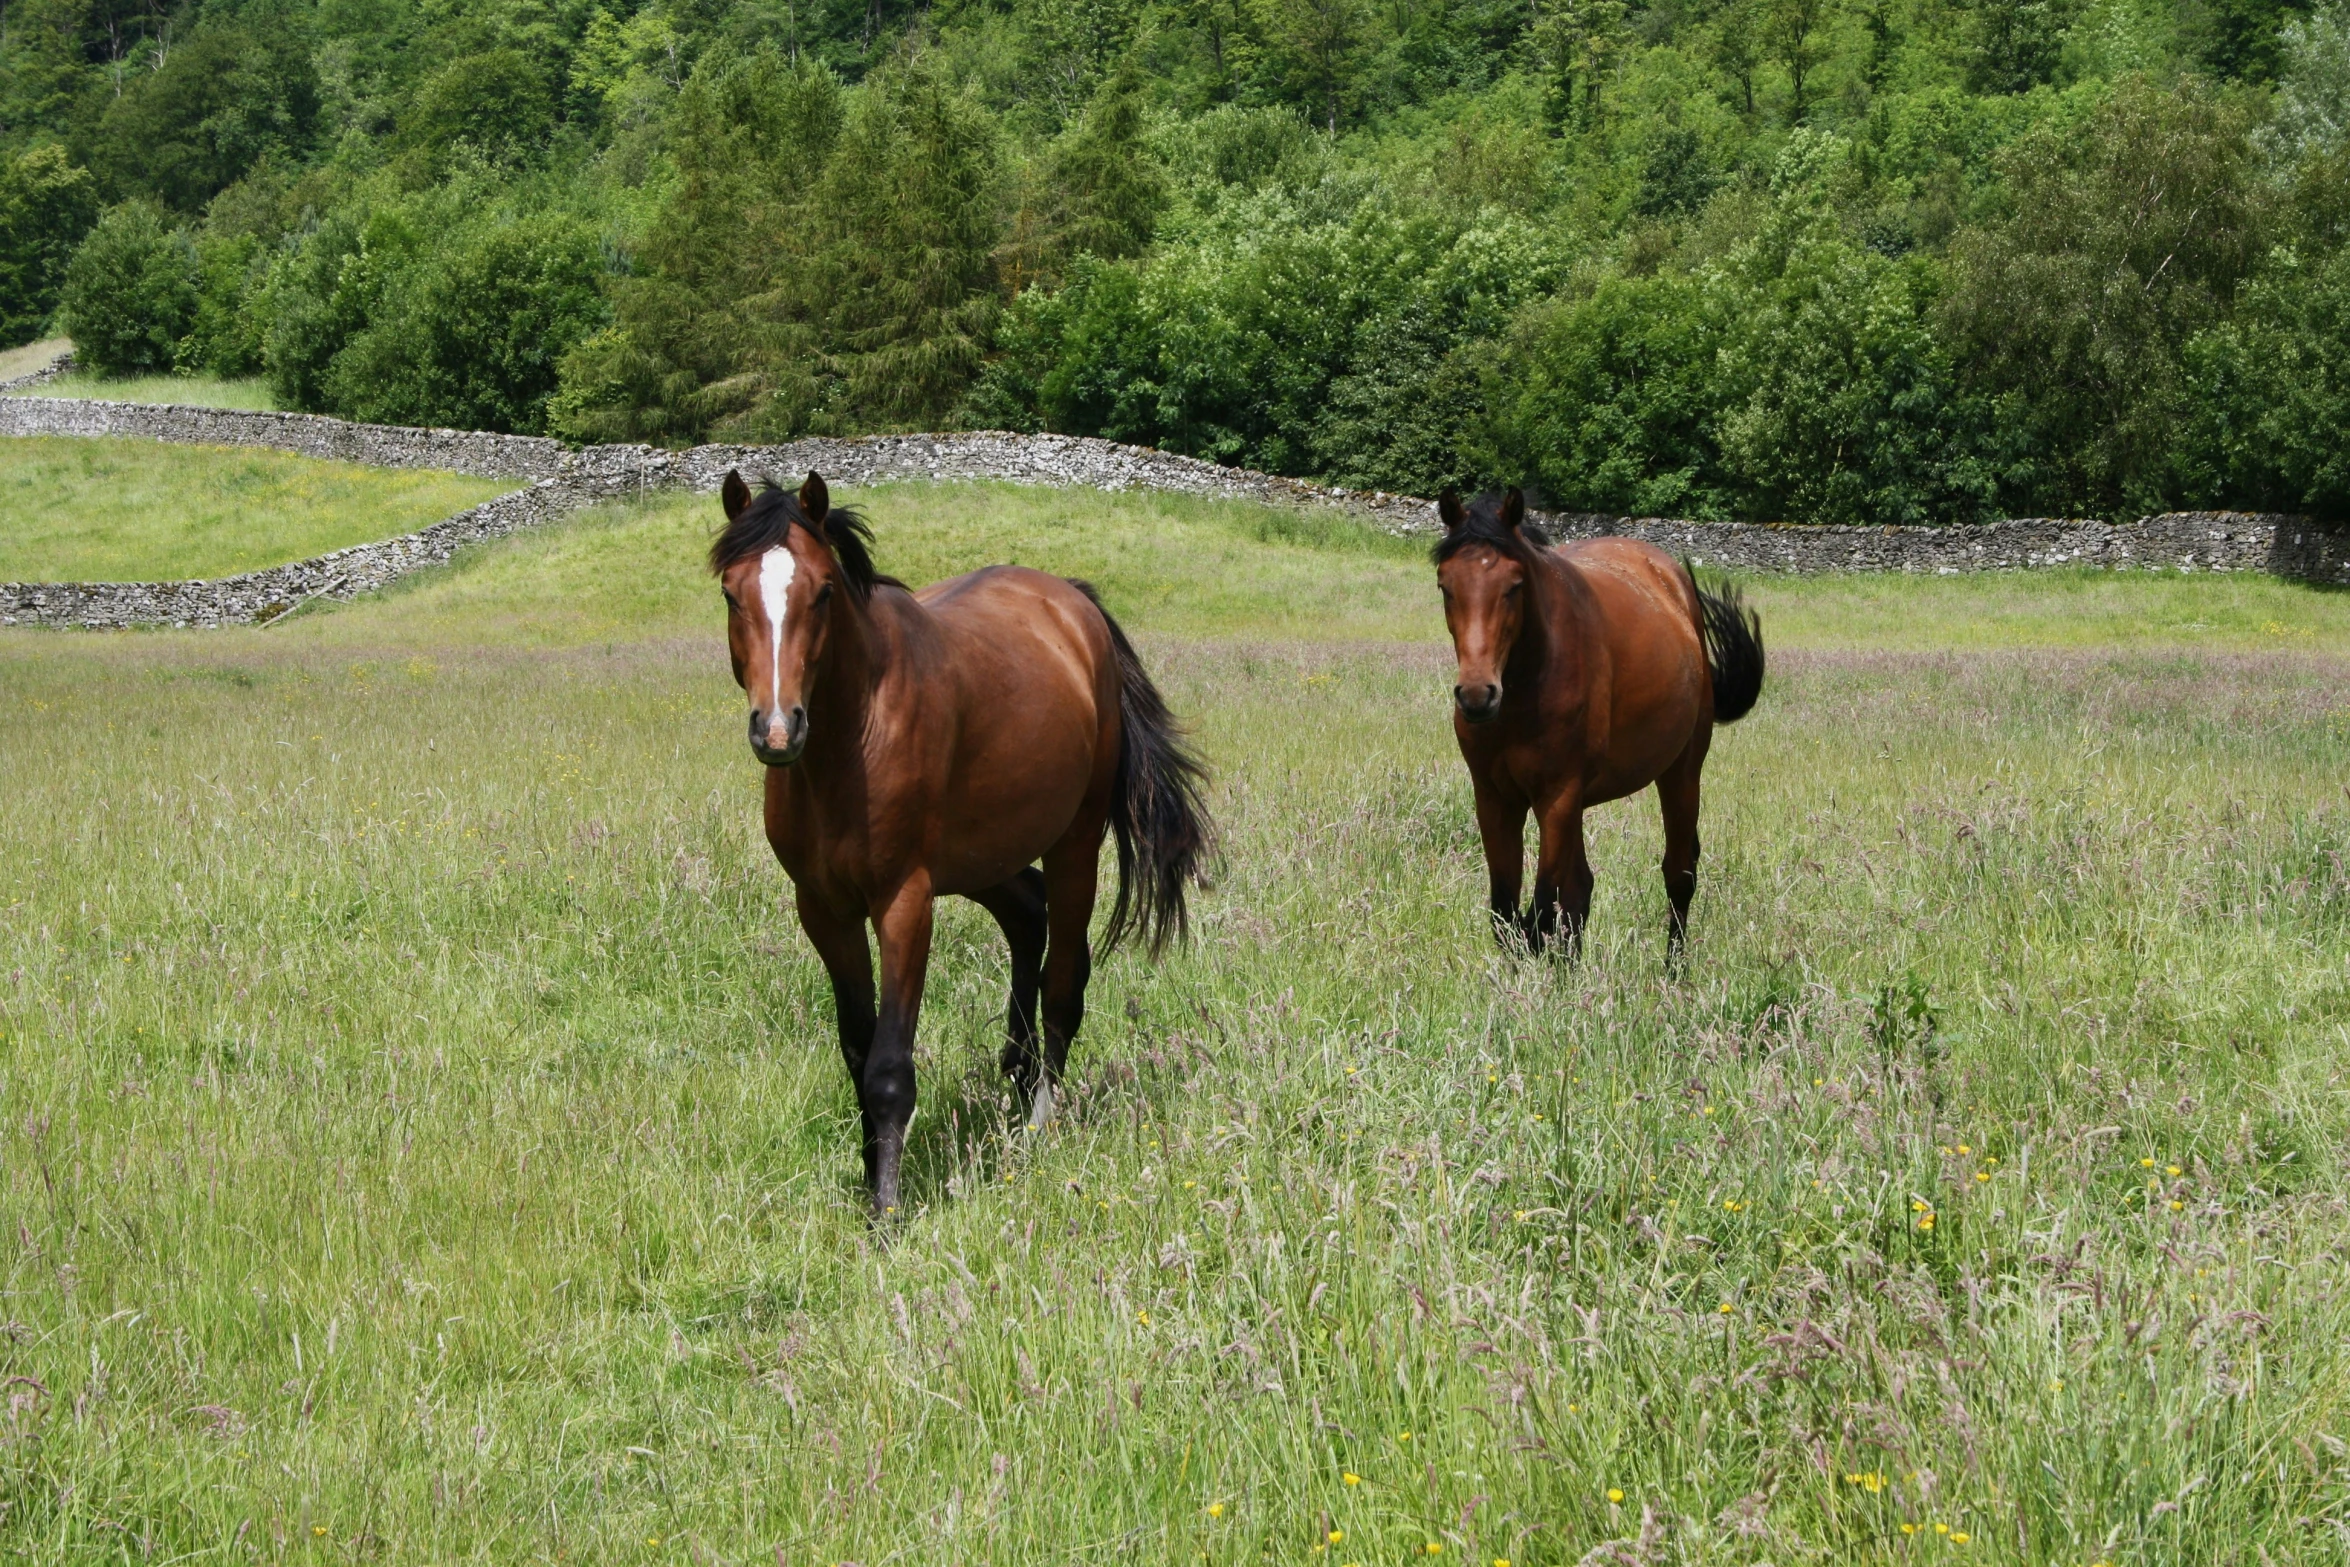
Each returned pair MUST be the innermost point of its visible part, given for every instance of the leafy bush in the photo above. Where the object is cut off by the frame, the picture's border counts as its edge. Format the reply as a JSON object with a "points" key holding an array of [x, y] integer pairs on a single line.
{"points": [[470, 334], [438, 311], [1606, 401], [130, 292], [226, 336], [497, 103]]}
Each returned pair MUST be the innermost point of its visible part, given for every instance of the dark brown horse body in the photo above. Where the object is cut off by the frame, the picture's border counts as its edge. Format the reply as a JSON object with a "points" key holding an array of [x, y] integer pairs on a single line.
{"points": [[1587, 673], [945, 742]]}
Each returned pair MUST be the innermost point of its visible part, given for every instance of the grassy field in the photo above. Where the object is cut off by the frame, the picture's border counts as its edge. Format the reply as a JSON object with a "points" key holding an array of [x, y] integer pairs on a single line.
{"points": [[27, 358], [196, 391], [421, 1136], [75, 509]]}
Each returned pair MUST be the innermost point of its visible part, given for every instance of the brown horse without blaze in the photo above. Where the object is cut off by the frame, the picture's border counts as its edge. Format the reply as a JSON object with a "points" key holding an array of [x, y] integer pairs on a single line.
{"points": [[944, 741], [1587, 672]]}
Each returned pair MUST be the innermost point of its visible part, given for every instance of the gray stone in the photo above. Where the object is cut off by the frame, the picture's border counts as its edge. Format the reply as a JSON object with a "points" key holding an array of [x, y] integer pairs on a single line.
{"points": [[561, 480]]}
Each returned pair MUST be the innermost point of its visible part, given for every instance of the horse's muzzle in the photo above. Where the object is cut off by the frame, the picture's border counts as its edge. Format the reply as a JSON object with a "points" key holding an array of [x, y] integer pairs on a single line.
{"points": [[1478, 704], [779, 739]]}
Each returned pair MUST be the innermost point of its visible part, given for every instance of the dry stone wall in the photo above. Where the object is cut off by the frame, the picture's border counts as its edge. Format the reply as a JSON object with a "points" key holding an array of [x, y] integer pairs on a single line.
{"points": [[559, 480]]}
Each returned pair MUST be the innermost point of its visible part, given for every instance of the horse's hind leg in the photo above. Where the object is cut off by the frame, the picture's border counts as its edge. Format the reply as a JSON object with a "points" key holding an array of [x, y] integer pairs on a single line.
{"points": [[1562, 878], [1072, 873], [1019, 909], [1677, 794]]}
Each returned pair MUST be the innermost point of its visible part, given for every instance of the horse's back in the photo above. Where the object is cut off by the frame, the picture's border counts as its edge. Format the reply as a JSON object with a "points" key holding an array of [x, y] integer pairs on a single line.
{"points": [[1657, 680], [1644, 577], [1032, 676]]}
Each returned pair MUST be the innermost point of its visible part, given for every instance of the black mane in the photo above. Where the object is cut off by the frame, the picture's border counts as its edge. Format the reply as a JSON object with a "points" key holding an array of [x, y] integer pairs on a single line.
{"points": [[771, 516], [1482, 524]]}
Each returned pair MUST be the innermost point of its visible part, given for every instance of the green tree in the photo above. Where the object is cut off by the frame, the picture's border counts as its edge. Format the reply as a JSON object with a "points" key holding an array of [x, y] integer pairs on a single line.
{"points": [[1098, 190], [2272, 390], [1837, 402], [1796, 33], [498, 103], [1316, 46], [2127, 235], [130, 292], [684, 355], [898, 281], [210, 109], [1576, 43], [1737, 51], [2013, 46], [46, 207], [2313, 87]]}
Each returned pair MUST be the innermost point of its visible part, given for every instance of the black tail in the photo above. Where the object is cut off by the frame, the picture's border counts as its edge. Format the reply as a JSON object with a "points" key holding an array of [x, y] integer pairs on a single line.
{"points": [[1733, 646], [1161, 824]]}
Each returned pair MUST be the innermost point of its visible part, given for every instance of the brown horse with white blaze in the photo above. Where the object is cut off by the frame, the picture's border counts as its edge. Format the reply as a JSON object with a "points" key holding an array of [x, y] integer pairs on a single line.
{"points": [[947, 741], [1587, 672]]}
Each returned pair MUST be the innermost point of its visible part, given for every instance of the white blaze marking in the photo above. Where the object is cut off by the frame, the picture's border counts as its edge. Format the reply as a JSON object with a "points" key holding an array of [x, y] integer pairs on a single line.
{"points": [[776, 569]]}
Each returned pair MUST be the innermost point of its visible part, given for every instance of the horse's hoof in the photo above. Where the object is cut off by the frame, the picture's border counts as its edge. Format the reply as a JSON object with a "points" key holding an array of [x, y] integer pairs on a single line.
{"points": [[1040, 1108]]}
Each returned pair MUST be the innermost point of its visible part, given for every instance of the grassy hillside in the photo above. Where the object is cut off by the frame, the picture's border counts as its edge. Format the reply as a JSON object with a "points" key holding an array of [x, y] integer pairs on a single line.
{"points": [[421, 1135], [74, 509], [201, 391], [1182, 566]]}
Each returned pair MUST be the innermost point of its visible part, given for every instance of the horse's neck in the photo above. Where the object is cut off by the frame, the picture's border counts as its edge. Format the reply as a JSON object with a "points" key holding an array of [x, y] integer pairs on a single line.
{"points": [[1554, 631], [853, 669]]}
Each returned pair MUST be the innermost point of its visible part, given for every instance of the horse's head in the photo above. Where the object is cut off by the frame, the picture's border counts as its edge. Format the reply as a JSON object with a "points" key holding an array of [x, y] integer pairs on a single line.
{"points": [[785, 563], [1483, 564]]}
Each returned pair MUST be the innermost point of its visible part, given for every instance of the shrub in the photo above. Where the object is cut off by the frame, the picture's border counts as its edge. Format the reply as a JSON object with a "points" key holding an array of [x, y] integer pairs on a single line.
{"points": [[471, 333], [130, 292], [1606, 401], [225, 336]]}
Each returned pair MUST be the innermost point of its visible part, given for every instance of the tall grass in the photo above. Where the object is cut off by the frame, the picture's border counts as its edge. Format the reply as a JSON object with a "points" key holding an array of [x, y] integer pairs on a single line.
{"points": [[421, 1136]]}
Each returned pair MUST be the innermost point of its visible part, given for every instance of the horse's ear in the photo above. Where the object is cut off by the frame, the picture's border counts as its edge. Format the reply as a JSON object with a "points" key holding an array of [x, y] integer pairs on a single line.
{"points": [[734, 495], [815, 500], [1513, 508], [1448, 510]]}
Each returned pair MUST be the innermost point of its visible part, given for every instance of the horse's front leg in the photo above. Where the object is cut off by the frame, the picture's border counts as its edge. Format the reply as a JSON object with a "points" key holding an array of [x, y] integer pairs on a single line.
{"points": [[1562, 877], [1501, 824], [839, 940], [886, 1090]]}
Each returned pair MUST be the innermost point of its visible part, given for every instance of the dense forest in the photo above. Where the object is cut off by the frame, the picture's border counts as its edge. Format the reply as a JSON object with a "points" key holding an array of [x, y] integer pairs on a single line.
{"points": [[1822, 260]]}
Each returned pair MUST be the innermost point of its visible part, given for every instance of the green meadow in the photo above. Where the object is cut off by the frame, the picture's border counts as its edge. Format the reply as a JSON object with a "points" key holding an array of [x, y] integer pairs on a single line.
{"points": [[77, 509], [422, 1137]]}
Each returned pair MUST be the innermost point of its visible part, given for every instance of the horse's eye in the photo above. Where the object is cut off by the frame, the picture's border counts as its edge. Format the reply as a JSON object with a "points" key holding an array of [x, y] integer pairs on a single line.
{"points": [[824, 594]]}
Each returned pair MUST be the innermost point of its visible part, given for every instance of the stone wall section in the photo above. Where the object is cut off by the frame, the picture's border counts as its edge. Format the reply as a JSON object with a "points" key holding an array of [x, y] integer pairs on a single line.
{"points": [[474, 452], [560, 480], [41, 377]]}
